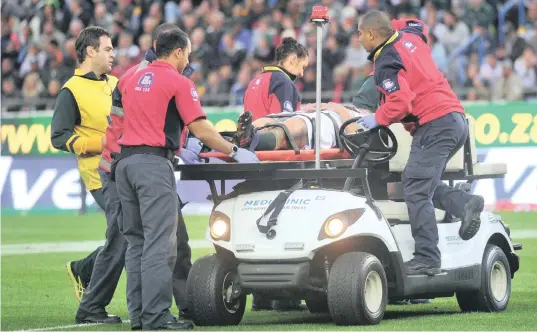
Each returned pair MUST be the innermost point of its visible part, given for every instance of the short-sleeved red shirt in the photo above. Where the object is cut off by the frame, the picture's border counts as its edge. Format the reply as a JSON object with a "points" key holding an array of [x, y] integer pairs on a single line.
{"points": [[158, 103]]}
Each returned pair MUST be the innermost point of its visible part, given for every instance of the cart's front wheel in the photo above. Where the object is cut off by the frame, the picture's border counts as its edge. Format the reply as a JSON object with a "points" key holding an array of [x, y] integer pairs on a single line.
{"points": [[357, 290], [214, 294], [495, 284]]}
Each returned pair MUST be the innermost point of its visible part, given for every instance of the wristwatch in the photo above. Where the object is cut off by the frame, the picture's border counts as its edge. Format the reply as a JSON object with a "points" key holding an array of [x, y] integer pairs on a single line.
{"points": [[234, 150]]}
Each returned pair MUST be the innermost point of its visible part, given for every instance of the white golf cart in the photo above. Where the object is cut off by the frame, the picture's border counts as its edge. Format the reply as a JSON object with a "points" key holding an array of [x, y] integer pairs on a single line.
{"points": [[294, 231]]}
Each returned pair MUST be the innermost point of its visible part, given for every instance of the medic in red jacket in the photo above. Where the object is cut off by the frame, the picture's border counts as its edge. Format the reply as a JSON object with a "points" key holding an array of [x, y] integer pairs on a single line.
{"points": [[274, 90], [413, 90]]}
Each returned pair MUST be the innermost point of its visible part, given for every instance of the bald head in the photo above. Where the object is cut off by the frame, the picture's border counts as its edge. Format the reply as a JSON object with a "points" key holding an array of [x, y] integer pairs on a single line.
{"points": [[375, 27], [377, 20], [165, 27]]}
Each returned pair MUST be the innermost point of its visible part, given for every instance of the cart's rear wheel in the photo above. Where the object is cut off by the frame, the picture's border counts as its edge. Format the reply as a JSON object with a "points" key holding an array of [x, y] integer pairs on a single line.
{"points": [[495, 284]]}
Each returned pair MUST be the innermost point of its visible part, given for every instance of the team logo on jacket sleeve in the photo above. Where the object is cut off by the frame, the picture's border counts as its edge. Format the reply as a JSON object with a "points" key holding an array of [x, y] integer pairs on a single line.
{"points": [[287, 106], [146, 80], [194, 94], [389, 86]]}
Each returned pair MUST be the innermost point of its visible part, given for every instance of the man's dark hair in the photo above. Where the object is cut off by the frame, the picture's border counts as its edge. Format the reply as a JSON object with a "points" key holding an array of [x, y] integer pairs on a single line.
{"points": [[160, 29], [290, 46], [170, 40], [377, 20], [90, 36]]}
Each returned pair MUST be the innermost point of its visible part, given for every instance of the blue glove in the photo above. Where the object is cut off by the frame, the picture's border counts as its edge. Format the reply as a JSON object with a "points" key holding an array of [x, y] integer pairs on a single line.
{"points": [[189, 157], [368, 121], [244, 156]]}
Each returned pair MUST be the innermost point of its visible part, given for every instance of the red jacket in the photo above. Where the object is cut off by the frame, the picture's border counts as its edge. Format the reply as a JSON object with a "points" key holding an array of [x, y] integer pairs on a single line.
{"points": [[413, 89], [115, 128], [272, 92]]}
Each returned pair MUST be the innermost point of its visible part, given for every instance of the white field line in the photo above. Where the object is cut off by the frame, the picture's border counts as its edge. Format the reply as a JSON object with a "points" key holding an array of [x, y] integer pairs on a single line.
{"points": [[65, 327], [85, 246], [82, 246]]}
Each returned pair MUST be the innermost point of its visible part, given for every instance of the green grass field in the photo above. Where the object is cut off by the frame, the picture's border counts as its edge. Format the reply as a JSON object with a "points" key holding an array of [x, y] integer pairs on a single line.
{"points": [[36, 293]]}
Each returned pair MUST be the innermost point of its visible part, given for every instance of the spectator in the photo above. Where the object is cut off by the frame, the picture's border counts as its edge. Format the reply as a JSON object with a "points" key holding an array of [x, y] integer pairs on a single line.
{"points": [[491, 70], [308, 86], [10, 91], [239, 88], [32, 86], [231, 51], [55, 71], [526, 68], [356, 55], [126, 47], [123, 64], [33, 61], [102, 17], [509, 86], [477, 88], [452, 33], [213, 90], [341, 74], [9, 72], [533, 40], [51, 33], [438, 52], [479, 13]]}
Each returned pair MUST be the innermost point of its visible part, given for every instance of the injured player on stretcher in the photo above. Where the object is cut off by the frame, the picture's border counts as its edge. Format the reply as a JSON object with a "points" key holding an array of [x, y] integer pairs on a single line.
{"points": [[296, 131]]}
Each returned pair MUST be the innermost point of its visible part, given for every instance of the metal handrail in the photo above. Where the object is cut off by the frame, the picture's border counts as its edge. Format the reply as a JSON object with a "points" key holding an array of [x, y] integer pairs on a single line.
{"points": [[503, 12], [476, 37]]}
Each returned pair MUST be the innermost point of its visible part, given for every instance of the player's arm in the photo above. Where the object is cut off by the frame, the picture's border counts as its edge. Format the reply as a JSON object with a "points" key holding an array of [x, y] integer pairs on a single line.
{"points": [[368, 96], [392, 80], [283, 96], [64, 119], [189, 107]]}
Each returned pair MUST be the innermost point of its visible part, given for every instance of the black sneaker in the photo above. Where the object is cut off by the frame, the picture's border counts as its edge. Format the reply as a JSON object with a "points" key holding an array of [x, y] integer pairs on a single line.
{"points": [[471, 220], [175, 325], [184, 314], [96, 318], [245, 130], [415, 267]]}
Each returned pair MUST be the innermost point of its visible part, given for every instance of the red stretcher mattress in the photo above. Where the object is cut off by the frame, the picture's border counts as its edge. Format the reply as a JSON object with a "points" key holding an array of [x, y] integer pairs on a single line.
{"points": [[286, 155]]}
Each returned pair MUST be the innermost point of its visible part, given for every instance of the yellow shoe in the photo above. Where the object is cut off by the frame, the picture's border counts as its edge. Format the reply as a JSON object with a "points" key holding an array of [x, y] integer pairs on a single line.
{"points": [[78, 285]]}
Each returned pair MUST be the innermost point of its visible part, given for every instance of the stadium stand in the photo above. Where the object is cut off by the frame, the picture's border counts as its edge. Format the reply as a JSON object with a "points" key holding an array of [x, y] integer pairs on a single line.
{"points": [[487, 49]]}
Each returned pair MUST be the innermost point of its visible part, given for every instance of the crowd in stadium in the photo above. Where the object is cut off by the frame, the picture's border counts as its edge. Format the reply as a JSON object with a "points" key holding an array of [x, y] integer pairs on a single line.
{"points": [[232, 40]]}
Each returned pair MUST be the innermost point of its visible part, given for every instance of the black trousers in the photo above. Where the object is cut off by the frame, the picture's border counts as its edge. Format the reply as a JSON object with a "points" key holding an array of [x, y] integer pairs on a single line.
{"points": [[433, 145], [84, 267]]}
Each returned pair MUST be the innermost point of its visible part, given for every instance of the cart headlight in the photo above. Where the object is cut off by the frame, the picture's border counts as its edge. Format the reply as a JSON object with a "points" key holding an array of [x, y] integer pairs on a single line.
{"points": [[337, 224], [334, 227], [219, 226]]}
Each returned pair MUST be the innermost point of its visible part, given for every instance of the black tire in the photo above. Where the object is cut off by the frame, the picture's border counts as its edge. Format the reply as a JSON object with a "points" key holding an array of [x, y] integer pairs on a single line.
{"points": [[486, 300], [318, 305], [205, 289], [347, 286]]}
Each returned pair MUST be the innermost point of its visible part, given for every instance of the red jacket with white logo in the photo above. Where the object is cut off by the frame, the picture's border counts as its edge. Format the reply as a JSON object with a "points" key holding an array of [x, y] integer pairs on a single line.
{"points": [[272, 92], [413, 89]]}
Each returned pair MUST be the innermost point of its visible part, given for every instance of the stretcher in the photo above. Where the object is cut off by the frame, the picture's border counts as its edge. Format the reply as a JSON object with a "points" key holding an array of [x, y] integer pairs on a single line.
{"points": [[337, 164]]}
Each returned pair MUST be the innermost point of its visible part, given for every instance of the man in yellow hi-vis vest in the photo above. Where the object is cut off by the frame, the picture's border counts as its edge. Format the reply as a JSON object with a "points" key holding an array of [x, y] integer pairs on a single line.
{"points": [[81, 116]]}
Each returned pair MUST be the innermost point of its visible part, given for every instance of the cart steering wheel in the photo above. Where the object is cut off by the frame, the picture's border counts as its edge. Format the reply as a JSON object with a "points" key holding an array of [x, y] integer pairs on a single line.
{"points": [[366, 139]]}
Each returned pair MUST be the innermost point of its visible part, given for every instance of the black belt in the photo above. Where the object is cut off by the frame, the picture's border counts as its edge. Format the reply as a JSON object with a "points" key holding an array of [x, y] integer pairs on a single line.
{"points": [[127, 151]]}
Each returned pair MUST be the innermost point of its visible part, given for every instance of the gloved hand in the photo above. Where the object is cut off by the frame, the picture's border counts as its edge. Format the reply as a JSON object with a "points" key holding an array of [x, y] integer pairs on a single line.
{"points": [[368, 121], [189, 157], [244, 156]]}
